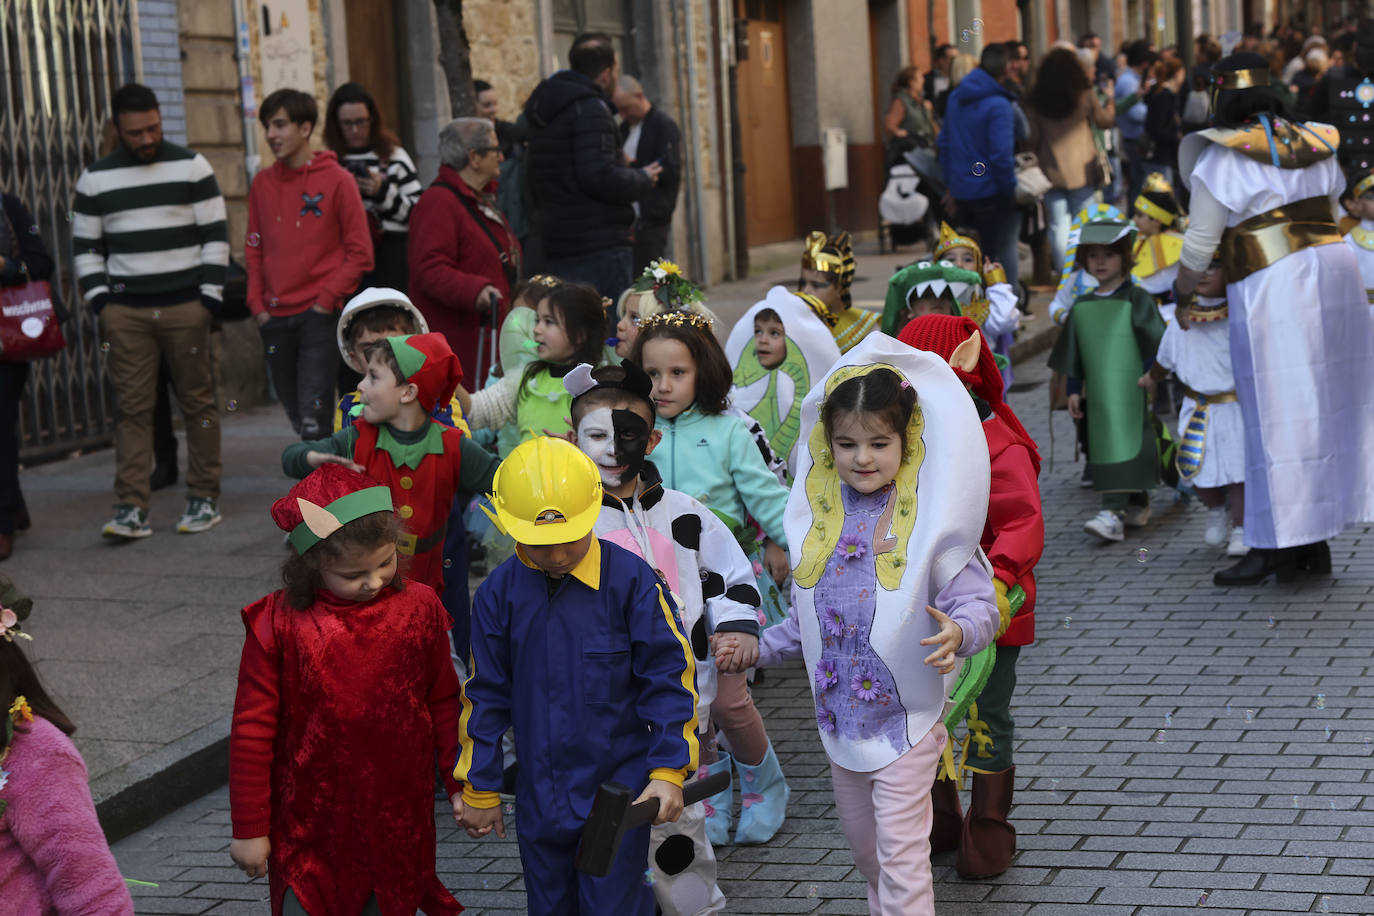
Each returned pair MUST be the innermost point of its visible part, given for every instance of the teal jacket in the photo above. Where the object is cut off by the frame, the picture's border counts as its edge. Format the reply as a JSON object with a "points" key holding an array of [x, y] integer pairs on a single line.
{"points": [[714, 459]]}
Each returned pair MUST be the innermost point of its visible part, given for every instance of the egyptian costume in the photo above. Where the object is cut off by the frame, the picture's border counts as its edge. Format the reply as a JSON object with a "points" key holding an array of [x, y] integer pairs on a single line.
{"points": [[773, 396], [342, 709], [835, 256], [1108, 340], [1156, 256], [1302, 348], [993, 304], [1360, 238]]}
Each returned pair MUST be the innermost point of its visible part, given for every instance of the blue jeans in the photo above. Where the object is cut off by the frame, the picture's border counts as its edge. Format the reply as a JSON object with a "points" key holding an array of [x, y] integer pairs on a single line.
{"points": [[1061, 206], [998, 222], [611, 271]]}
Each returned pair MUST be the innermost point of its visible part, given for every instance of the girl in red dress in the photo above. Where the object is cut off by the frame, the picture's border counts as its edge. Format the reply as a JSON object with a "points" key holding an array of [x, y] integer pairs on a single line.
{"points": [[346, 695]]}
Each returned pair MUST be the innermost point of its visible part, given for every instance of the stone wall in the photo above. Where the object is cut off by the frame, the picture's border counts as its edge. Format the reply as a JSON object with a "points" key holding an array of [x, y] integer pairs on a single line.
{"points": [[505, 50], [158, 34]]}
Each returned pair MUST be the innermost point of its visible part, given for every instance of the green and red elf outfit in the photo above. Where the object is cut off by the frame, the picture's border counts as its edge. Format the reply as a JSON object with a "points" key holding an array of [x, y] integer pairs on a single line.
{"points": [[1013, 540], [424, 469]]}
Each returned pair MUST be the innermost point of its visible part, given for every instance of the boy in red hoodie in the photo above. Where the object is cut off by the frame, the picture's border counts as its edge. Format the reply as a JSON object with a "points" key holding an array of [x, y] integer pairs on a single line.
{"points": [[1013, 539], [307, 248]]}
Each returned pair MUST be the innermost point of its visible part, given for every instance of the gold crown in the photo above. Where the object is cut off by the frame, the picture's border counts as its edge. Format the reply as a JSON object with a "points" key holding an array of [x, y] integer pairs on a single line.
{"points": [[829, 255], [1156, 181], [950, 239], [1256, 77], [676, 319], [546, 280]]}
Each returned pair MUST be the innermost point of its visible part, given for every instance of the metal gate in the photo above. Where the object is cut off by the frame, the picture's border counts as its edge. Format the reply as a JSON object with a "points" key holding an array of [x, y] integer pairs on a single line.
{"points": [[62, 60]]}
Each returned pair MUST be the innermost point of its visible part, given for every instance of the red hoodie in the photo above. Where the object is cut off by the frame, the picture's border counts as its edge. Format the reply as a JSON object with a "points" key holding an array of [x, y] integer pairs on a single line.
{"points": [[308, 240]]}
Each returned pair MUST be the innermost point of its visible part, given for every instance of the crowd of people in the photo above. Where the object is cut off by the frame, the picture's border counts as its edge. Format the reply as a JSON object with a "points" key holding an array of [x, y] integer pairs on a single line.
{"points": [[663, 512]]}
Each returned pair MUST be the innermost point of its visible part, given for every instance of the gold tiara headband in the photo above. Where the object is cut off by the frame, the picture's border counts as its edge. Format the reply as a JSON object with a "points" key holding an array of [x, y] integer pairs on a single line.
{"points": [[1256, 77], [676, 319], [1365, 184]]}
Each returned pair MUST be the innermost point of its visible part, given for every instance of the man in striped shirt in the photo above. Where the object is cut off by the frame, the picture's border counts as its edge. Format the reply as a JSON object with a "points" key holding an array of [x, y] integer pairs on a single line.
{"points": [[151, 247]]}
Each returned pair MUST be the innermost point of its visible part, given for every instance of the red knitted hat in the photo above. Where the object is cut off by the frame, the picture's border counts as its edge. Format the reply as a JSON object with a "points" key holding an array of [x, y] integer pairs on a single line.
{"points": [[428, 362], [941, 334], [322, 503]]}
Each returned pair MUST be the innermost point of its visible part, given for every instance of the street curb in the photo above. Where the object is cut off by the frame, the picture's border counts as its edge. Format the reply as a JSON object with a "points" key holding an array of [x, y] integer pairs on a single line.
{"points": [[141, 792], [1037, 341]]}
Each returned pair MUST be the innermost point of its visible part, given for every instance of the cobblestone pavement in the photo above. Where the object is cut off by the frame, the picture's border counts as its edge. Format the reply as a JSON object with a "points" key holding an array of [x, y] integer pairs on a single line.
{"points": [[1181, 746]]}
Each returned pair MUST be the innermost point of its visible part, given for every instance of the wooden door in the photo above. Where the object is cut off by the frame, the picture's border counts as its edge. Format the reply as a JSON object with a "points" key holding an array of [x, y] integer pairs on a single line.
{"points": [[765, 127], [372, 60]]}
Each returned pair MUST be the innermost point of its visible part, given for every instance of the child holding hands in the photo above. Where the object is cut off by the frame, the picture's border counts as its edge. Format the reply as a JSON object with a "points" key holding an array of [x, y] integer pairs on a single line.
{"points": [[346, 694], [885, 603]]}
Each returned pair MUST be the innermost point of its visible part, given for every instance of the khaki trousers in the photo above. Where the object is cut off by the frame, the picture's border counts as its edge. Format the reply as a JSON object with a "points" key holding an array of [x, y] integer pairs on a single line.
{"points": [[138, 337]]}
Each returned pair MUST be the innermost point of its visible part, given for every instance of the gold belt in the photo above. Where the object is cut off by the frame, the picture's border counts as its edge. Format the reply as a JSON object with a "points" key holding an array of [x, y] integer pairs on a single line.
{"points": [[409, 545], [1226, 397], [1262, 240]]}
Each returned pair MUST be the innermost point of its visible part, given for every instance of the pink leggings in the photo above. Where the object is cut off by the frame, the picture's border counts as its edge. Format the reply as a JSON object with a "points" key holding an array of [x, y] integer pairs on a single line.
{"points": [[886, 817], [734, 713]]}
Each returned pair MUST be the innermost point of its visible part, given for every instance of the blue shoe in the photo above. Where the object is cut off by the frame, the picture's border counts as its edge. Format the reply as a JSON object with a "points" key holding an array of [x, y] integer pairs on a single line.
{"points": [[763, 799], [718, 805]]}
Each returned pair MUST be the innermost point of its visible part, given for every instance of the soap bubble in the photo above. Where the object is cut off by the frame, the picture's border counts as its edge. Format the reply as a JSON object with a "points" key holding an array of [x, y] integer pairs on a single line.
{"points": [[1321, 701], [1328, 733], [1158, 736], [965, 35], [976, 27], [448, 562], [1054, 785], [812, 891], [649, 877], [1333, 805], [1142, 555], [195, 350], [1168, 718], [272, 349], [204, 424], [1067, 621], [508, 807], [1272, 623], [1249, 715], [1326, 903], [979, 168], [232, 405], [105, 347], [1228, 709], [1202, 898], [157, 313], [1368, 741], [1295, 804]]}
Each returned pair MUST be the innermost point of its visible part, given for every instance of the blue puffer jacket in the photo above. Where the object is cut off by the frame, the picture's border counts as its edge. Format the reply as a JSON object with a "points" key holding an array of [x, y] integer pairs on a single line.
{"points": [[979, 127], [582, 193]]}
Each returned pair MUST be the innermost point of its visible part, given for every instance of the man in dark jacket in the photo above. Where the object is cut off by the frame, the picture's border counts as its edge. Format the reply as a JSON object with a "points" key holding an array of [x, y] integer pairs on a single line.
{"points": [[978, 157], [581, 191], [1341, 98], [649, 135]]}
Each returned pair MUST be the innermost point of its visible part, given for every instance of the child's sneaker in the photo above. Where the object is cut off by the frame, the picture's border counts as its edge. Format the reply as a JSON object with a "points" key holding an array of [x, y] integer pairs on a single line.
{"points": [[1218, 526], [1136, 516], [1235, 547], [129, 523], [201, 514], [1106, 525]]}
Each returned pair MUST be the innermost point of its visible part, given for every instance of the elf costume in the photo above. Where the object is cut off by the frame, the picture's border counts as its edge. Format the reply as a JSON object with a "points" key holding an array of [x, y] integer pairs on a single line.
{"points": [[834, 256], [1013, 539], [342, 709], [1109, 339], [773, 396], [424, 469]]}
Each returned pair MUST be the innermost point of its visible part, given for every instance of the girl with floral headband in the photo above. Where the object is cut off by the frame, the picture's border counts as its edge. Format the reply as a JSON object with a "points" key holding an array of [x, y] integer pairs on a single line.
{"points": [[53, 855], [890, 591], [662, 287]]}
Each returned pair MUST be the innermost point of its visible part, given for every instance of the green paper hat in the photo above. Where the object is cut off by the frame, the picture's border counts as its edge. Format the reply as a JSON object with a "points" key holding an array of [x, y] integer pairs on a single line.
{"points": [[324, 502]]}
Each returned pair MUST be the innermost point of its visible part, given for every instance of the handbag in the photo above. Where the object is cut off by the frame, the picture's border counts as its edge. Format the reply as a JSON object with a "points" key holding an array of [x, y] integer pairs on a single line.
{"points": [[29, 327], [30, 314], [1031, 182]]}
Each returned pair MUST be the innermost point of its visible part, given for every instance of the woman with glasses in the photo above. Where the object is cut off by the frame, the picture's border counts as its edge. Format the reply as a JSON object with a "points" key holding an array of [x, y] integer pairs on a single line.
{"points": [[355, 131]]}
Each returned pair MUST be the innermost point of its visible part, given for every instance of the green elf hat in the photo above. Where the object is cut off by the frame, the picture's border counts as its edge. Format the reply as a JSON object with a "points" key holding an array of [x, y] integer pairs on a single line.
{"points": [[922, 280], [427, 361], [321, 504]]}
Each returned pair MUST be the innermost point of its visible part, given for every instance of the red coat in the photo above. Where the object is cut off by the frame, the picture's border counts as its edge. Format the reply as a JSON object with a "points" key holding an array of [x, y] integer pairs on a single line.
{"points": [[1014, 536], [342, 708], [452, 260]]}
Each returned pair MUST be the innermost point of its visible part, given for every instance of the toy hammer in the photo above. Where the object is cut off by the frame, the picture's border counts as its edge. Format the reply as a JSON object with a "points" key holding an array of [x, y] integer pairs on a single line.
{"points": [[613, 813]]}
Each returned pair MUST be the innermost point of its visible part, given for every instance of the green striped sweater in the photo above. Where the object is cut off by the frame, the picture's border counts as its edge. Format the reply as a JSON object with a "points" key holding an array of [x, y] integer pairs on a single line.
{"points": [[149, 233]]}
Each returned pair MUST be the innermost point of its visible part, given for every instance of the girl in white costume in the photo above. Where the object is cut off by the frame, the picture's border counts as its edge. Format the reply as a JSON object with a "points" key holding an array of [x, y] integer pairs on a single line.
{"points": [[884, 520], [1266, 190]]}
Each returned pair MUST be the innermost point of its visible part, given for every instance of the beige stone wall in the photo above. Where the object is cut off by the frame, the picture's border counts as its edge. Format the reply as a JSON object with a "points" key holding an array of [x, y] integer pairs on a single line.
{"points": [[505, 49]]}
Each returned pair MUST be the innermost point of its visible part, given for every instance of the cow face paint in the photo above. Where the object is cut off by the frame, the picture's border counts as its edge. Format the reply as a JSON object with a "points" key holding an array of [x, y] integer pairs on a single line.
{"points": [[616, 441]]}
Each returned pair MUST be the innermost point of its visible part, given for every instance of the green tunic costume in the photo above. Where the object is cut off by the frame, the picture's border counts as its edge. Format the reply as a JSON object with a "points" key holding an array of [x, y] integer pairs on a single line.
{"points": [[1107, 341]]}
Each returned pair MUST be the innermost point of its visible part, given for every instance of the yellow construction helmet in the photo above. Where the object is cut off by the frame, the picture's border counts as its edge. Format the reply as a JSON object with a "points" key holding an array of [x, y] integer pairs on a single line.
{"points": [[546, 492]]}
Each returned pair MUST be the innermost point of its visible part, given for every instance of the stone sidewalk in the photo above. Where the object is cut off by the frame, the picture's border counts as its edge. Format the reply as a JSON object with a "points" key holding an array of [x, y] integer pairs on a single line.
{"points": [[1180, 746]]}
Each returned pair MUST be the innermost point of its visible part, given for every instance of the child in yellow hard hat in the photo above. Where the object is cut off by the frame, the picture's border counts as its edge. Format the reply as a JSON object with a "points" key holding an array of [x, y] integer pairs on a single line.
{"points": [[576, 644]]}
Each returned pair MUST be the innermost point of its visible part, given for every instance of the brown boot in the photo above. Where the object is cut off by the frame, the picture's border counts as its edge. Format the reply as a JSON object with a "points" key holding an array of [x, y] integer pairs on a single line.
{"points": [[989, 839], [948, 823]]}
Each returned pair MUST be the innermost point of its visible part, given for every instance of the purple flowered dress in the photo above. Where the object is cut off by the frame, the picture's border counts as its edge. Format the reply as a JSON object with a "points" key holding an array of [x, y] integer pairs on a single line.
{"points": [[855, 693]]}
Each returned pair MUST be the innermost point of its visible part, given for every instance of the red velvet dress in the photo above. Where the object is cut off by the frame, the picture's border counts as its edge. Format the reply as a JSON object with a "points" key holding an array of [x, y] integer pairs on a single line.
{"points": [[423, 497], [341, 710], [1014, 535]]}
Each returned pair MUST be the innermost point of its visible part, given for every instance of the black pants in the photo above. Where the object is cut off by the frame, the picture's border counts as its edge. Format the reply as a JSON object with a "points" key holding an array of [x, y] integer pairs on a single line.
{"points": [[610, 270], [303, 358], [651, 243], [13, 376]]}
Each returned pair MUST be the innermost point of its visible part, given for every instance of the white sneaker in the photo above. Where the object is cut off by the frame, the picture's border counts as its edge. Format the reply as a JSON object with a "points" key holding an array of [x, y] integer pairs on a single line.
{"points": [[1235, 547], [1106, 525], [1136, 516], [1218, 526]]}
